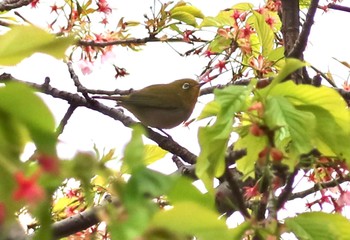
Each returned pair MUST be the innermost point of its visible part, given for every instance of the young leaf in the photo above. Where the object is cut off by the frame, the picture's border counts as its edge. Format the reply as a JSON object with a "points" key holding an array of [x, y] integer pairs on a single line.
{"points": [[319, 226], [23, 41], [324, 97], [184, 191], [254, 146], [290, 122], [264, 32], [213, 139], [153, 153], [32, 112], [224, 18], [185, 17], [188, 9], [134, 152], [190, 218]]}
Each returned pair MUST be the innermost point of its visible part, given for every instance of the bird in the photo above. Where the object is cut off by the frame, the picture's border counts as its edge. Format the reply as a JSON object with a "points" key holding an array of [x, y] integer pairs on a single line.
{"points": [[162, 106]]}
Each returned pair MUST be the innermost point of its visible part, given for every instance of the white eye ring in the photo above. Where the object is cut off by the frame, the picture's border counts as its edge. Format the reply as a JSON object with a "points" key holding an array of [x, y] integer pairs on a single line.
{"points": [[186, 86]]}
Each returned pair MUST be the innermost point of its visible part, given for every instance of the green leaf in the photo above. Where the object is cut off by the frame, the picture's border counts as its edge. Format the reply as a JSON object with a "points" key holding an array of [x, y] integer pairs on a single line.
{"points": [[219, 44], [288, 121], [276, 54], [213, 139], [134, 152], [184, 17], [211, 109], [264, 32], [23, 41], [188, 9], [330, 138], [253, 145], [224, 18], [324, 97], [319, 226], [189, 218], [184, 190], [32, 112], [137, 197], [243, 6], [153, 153], [13, 137]]}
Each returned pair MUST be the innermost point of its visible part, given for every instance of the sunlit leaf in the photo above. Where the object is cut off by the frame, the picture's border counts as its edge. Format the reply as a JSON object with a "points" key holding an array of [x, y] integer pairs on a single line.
{"points": [[211, 109], [189, 218], [213, 139], [219, 44], [324, 97], [253, 145], [188, 9], [153, 153], [264, 32], [288, 121], [243, 6], [23, 41], [184, 17], [224, 18], [319, 226]]}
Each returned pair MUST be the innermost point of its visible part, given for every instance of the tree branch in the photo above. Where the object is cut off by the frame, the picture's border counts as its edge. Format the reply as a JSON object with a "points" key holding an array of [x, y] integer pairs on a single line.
{"points": [[300, 44], [284, 196], [338, 7], [317, 187], [76, 100], [138, 41], [8, 5], [236, 194]]}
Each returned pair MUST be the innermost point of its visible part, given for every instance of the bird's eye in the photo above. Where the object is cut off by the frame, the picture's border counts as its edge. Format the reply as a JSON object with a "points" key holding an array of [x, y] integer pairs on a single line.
{"points": [[186, 86]]}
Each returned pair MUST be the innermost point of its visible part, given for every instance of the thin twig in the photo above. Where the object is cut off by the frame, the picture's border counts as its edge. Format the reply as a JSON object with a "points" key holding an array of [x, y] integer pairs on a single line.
{"points": [[317, 187], [285, 195], [65, 119], [134, 41], [77, 83], [338, 7], [237, 194]]}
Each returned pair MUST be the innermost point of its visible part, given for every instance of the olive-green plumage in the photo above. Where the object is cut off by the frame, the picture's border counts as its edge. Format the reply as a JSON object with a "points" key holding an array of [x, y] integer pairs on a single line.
{"points": [[161, 105]]}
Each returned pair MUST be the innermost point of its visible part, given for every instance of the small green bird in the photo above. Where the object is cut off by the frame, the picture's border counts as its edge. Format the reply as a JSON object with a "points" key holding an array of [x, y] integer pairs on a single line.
{"points": [[161, 106]]}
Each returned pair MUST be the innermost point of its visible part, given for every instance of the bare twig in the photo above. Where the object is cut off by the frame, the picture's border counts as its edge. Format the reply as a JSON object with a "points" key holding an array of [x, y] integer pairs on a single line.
{"points": [[317, 187], [65, 119], [77, 83]]}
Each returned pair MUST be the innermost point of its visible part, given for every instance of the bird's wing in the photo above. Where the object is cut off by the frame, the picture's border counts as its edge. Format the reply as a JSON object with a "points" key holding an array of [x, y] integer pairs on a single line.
{"points": [[156, 99]]}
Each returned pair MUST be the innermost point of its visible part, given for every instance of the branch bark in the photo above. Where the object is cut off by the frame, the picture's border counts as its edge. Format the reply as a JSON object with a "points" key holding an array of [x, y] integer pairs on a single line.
{"points": [[8, 5], [79, 101]]}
